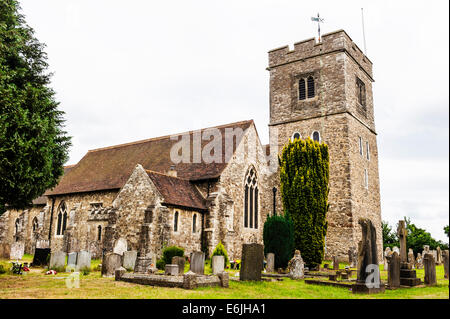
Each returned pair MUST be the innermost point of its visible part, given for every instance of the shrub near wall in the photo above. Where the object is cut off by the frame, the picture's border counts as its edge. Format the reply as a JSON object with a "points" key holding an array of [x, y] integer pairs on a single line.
{"points": [[304, 174], [168, 253], [278, 236], [220, 251]]}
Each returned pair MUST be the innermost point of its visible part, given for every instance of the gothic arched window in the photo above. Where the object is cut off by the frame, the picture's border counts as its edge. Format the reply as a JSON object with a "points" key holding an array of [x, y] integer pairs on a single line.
{"points": [[175, 222], [62, 219], [251, 199]]}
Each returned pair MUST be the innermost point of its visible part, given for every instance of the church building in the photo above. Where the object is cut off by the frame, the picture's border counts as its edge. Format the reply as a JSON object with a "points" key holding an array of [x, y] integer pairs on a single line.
{"points": [[219, 184]]}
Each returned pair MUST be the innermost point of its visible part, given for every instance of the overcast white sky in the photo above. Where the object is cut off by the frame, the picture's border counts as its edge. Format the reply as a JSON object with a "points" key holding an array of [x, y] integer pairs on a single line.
{"points": [[131, 70]]}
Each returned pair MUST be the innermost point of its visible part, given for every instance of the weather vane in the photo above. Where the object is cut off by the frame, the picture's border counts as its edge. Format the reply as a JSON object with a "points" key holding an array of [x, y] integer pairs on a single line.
{"points": [[318, 20]]}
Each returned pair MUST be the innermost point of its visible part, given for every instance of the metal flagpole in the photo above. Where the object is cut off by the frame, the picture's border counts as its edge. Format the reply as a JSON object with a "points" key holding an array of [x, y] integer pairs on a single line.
{"points": [[364, 33]]}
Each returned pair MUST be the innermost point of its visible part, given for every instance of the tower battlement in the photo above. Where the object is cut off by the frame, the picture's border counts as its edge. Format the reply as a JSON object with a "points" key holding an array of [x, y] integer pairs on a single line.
{"points": [[337, 41]]}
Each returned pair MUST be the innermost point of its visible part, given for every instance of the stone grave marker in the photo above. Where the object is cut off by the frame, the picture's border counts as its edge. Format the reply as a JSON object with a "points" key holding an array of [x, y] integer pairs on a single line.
{"points": [[252, 262], [180, 261], [110, 262], [445, 257], [129, 259], [386, 255], [270, 267], [17, 250], [438, 255], [198, 262], [171, 270], [411, 259], [402, 233], [395, 248], [72, 259], [5, 250], [394, 271], [218, 264], [120, 246], [335, 263], [430, 270], [419, 261], [426, 250], [57, 260], [296, 266], [83, 260]]}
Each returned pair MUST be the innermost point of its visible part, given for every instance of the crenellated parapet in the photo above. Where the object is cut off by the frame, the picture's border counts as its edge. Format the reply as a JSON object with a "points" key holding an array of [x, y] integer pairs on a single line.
{"points": [[337, 41]]}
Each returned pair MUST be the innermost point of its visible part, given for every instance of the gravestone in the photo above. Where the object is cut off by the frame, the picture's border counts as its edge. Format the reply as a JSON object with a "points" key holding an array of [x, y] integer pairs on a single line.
{"points": [[438, 256], [120, 246], [402, 233], [198, 262], [83, 260], [270, 267], [434, 253], [368, 274], [419, 261], [17, 250], [411, 259], [5, 250], [252, 262], [180, 261], [335, 263], [145, 264], [218, 264], [426, 250], [395, 249], [129, 259], [430, 270], [57, 260], [352, 257], [119, 272], [171, 270], [445, 257], [110, 262], [41, 256], [394, 271], [296, 266], [386, 255], [72, 259]]}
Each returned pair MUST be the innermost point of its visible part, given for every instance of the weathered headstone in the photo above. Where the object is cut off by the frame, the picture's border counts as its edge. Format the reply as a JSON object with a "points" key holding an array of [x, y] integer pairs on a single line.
{"points": [[434, 253], [395, 249], [394, 271], [430, 270], [352, 257], [83, 260], [17, 250], [110, 262], [386, 255], [252, 262], [198, 262], [144, 264], [270, 267], [419, 261], [171, 270], [445, 257], [296, 266], [218, 263], [335, 263], [72, 259], [129, 259], [119, 272], [368, 275], [57, 260], [180, 261], [411, 259], [438, 256], [426, 250], [402, 233], [120, 246], [5, 250]]}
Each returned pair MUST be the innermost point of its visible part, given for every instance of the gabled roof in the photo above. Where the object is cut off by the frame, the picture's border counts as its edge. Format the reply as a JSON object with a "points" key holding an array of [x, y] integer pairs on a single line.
{"points": [[109, 168], [177, 191]]}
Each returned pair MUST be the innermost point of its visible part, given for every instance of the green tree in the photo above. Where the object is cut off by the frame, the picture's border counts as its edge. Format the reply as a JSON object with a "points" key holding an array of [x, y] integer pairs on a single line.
{"points": [[304, 174], [278, 236], [446, 230], [33, 146], [418, 237], [389, 237]]}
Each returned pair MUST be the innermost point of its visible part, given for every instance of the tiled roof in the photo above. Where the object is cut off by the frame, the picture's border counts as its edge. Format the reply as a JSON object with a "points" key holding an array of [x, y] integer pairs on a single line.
{"points": [[177, 191], [109, 168]]}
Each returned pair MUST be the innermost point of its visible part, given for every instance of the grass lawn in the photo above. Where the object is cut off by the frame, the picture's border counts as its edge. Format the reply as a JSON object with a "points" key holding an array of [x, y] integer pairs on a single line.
{"points": [[35, 284]]}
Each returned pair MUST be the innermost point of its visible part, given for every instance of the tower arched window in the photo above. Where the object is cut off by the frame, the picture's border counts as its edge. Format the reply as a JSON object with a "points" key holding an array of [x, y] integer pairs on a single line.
{"points": [[99, 233], [194, 223], [175, 221], [306, 88], [301, 89], [296, 136], [62, 219], [251, 199], [316, 136], [311, 88]]}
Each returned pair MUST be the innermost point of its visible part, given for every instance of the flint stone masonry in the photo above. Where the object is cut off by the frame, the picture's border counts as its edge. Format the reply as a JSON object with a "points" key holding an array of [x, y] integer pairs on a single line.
{"points": [[57, 260], [218, 264], [111, 261], [270, 267], [83, 260], [252, 262], [180, 261], [129, 259], [17, 250], [197, 264]]}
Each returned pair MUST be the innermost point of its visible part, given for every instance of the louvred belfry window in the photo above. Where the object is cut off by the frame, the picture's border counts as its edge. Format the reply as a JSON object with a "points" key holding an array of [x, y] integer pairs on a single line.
{"points": [[311, 89], [251, 200], [306, 88], [361, 92], [301, 89]]}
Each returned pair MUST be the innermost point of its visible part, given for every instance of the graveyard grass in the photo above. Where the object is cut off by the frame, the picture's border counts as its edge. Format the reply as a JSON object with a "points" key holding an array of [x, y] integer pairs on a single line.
{"points": [[36, 284]]}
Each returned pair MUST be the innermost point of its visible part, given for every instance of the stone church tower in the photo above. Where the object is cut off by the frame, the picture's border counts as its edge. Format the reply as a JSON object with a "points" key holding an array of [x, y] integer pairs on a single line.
{"points": [[324, 91]]}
